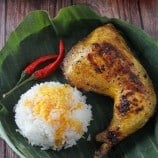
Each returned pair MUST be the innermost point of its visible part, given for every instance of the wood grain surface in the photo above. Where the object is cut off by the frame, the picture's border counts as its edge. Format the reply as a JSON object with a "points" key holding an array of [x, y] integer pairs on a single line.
{"points": [[142, 13]]}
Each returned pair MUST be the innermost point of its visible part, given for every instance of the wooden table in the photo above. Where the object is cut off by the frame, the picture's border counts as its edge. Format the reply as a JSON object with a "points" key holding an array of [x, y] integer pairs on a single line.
{"points": [[142, 13]]}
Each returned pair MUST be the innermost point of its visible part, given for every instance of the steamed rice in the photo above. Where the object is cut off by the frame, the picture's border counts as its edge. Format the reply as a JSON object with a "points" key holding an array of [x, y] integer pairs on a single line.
{"points": [[52, 115]]}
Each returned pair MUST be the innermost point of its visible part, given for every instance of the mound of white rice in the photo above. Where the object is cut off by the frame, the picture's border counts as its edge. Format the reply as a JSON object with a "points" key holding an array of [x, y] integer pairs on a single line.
{"points": [[52, 115]]}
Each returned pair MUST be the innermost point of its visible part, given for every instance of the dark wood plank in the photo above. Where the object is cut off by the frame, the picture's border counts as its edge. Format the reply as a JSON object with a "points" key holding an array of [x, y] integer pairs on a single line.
{"points": [[2, 41], [149, 14], [2, 23], [62, 3], [127, 10], [19, 9], [10, 153], [107, 8], [2, 149]]}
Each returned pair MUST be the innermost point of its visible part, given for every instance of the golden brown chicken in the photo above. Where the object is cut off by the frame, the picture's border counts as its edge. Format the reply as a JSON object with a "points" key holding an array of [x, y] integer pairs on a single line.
{"points": [[103, 63]]}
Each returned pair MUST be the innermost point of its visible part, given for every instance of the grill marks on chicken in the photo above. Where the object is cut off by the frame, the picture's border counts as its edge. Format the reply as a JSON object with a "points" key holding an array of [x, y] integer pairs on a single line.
{"points": [[103, 63], [115, 66]]}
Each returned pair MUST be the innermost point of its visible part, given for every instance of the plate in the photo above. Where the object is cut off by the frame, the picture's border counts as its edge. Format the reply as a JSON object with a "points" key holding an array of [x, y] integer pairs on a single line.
{"points": [[38, 35]]}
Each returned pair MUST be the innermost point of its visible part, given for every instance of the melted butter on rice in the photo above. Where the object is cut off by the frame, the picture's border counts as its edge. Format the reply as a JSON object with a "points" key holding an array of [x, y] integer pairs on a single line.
{"points": [[55, 105]]}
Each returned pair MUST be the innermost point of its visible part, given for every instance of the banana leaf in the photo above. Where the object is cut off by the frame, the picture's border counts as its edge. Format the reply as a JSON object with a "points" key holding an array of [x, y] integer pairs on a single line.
{"points": [[38, 35]]}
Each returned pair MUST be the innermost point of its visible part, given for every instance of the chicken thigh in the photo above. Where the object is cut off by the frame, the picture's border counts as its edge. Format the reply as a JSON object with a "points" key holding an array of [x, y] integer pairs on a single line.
{"points": [[103, 63]]}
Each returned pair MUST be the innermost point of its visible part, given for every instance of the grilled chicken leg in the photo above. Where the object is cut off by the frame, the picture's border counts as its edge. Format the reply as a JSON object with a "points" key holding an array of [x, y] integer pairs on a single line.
{"points": [[103, 63]]}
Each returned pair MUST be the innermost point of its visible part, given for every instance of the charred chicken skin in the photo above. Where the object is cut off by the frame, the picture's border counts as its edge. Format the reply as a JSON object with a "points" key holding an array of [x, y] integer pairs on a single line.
{"points": [[103, 63]]}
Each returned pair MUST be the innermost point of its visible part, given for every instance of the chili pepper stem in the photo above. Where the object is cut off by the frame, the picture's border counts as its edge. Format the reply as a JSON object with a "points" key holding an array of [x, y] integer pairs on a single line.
{"points": [[23, 75], [18, 86]]}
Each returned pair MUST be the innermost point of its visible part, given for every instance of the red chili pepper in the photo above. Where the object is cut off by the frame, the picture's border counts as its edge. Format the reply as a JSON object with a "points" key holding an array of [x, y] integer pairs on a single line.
{"points": [[41, 73], [30, 68], [47, 70]]}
